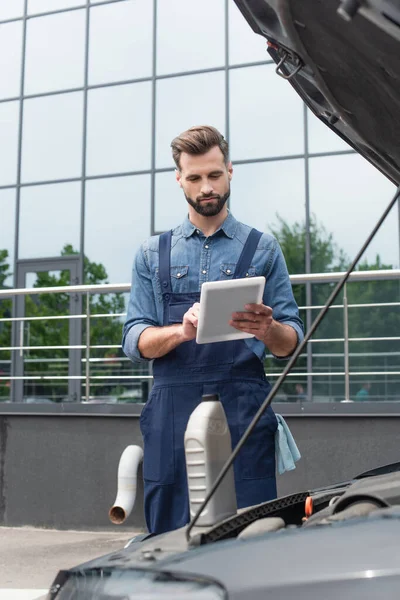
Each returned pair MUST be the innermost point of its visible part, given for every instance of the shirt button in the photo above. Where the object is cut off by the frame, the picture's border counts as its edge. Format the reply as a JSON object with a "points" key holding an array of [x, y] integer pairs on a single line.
{"points": [[206, 246], [228, 271], [247, 274], [178, 274], [204, 272], [197, 231]]}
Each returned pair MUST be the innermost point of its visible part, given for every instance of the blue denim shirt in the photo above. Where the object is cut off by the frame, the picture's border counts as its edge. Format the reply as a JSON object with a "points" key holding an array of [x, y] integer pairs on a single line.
{"points": [[196, 259]]}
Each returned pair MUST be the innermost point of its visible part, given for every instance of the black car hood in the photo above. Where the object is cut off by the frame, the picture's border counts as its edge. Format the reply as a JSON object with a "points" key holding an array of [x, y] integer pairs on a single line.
{"points": [[348, 56]]}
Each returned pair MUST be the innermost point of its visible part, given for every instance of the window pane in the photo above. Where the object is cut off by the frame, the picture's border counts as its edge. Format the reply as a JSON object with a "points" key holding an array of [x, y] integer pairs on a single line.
{"points": [[348, 196], [244, 45], [199, 45], [38, 6], [120, 44], [117, 222], [49, 219], [263, 191], [321, 138], [9, 113], [119, 129], [55, 52], [52, 137], [186, 101], [10, 59], [9, 9], [171, 205], [266, 115], [7, 233]]}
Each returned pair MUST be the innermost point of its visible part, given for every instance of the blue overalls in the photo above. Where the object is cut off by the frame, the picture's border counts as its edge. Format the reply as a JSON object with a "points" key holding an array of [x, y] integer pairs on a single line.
{"points": [[181, 377]]}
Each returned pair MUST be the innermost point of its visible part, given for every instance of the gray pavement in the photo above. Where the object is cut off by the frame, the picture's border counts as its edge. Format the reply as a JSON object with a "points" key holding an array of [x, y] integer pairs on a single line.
{"points": [[31, 558]]}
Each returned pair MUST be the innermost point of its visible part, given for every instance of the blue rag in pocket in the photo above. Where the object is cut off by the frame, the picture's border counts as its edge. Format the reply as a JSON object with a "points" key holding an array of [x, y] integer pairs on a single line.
{"points": [[286, 450]]}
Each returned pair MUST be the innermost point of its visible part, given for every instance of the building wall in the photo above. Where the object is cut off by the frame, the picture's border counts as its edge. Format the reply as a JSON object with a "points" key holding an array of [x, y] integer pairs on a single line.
{"points": [[60, 471], [92, 94]]}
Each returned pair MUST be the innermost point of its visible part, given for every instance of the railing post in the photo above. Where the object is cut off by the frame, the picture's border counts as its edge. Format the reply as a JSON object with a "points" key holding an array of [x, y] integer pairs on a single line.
{"points": [[87, 346], [346, 346]]}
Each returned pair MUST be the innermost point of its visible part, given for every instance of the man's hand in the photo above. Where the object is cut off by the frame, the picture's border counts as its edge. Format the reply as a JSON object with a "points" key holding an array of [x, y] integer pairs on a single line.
{"points": [[280, 339], [190, 322], [155, 342], [256, 320]]}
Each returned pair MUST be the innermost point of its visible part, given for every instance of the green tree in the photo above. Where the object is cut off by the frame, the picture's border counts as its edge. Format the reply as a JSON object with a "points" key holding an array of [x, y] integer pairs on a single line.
{"points": [[4, 267], [102, 331], [55, 332], [363, 322]]}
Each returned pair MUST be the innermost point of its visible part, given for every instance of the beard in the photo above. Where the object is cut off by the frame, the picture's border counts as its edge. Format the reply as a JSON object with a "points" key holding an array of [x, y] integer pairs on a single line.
{"points": [[211, 208]]}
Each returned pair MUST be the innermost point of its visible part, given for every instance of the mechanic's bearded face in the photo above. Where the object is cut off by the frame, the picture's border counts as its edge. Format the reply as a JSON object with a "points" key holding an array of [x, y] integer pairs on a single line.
{"points": [[205, 180]]}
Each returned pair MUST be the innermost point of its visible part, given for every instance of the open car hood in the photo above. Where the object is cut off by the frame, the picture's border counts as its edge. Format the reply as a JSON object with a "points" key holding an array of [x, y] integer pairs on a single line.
{"points": [[343, 59]]}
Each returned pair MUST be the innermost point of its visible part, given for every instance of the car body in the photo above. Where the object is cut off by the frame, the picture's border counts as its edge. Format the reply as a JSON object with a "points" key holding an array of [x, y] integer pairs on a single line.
{"points": [[341, 540]]}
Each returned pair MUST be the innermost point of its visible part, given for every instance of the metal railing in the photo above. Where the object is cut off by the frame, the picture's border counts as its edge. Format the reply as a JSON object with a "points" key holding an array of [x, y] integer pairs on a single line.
{"points": [[89, 379]]}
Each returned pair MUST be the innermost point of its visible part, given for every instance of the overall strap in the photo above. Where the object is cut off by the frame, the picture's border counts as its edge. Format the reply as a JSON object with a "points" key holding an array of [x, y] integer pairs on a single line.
{"points": [[248, 251], [164, 261]]}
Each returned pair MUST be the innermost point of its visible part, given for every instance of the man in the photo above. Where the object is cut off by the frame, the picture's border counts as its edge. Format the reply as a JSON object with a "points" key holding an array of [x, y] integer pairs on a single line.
{"points": [[161, 325], [363, 393]]}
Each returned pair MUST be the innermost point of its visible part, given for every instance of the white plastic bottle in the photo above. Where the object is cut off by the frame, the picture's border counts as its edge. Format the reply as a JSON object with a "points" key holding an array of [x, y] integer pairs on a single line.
{"points": [[207, 448]]}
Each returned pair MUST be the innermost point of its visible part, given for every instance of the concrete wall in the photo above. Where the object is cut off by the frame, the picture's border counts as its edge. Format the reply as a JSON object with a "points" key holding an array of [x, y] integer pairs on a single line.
{"points": [[59, 471]]}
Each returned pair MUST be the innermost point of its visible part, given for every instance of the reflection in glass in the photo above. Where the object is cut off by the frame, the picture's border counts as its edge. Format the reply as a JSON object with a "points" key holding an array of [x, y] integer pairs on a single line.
{"points": [[183, 47], [120, 42], [9, 113], [52, 137], [10, 59], [244, 45], [55, 48], [117, 221], [170, 203], [10, 9], [49, 219], [38, 6], [347, 194], [186, 101], [119, 129], [266, 116], [7, 233], [42, 332], [321, 138], [263, 192]]}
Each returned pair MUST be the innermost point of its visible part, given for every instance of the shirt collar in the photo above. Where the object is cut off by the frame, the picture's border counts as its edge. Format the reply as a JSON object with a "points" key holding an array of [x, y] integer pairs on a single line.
{"points": [[228, 227]]}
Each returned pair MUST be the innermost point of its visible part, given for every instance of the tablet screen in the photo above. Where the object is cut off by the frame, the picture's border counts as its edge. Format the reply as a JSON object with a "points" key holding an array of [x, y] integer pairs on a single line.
{"points": [[218, 300]]}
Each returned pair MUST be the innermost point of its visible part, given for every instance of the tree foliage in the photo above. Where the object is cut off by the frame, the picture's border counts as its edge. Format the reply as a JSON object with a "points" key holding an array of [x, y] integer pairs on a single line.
{"points": [[368, 322], [55, 332]]}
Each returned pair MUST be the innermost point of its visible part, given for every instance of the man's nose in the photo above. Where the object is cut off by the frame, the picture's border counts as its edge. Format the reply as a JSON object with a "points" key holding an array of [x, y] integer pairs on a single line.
{"points": [[206, 188]]}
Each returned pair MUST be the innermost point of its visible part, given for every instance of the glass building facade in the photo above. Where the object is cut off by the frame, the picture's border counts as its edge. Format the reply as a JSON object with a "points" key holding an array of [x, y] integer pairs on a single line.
{"points": [[91, 95]]}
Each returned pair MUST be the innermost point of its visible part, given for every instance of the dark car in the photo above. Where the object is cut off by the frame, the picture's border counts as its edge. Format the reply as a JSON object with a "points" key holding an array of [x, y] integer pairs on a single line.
{"points": [[342, 541]]}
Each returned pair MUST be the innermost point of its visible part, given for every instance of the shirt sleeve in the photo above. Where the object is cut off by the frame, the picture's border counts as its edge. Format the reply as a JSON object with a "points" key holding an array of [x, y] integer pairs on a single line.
{"points": [[278, 293], [142, 310]]}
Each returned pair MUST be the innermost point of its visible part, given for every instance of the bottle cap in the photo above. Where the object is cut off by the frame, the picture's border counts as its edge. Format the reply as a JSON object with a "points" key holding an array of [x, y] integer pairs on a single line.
{"points": [[210, 398]]}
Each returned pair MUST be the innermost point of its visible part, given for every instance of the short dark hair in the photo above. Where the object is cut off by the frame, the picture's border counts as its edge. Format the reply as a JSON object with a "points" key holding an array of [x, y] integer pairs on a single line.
{"points": [[199, 140]]}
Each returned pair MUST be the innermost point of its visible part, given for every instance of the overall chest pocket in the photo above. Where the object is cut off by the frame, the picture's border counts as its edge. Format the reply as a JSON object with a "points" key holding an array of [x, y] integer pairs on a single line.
{"points": [[227, 271], [180, 279]]}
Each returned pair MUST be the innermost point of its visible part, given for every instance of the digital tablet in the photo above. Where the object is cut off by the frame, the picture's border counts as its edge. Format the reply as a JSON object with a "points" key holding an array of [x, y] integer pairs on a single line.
{"points": [[218, 300]]}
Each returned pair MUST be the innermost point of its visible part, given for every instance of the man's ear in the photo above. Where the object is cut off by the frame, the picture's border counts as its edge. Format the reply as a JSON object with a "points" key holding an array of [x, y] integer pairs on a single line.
{"points": [[230, 170], [178, 177]]}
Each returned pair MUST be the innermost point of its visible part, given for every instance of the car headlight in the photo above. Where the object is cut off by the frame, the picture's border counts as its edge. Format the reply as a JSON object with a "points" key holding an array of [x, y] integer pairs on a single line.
{"points": [[132, 584]]}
